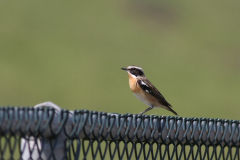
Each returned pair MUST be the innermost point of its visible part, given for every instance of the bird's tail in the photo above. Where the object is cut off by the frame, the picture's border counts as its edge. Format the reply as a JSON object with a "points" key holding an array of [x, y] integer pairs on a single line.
{"points": [[170, 109]]}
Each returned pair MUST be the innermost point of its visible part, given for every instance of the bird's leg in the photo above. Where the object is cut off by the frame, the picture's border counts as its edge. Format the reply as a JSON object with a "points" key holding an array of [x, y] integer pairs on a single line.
{"points": [[148, 109]]}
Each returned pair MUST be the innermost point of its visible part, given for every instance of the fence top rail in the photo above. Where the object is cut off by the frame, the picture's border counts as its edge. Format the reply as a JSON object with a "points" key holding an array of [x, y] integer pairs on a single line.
{"points": [[49, 120]]}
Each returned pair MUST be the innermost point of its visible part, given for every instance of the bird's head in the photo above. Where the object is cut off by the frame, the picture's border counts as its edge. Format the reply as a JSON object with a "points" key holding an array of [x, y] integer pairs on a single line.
{"points": [[134, 71]]}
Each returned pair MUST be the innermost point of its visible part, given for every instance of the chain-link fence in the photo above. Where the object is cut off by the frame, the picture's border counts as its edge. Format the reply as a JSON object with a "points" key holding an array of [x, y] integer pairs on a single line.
{"points": [[47, 132]]}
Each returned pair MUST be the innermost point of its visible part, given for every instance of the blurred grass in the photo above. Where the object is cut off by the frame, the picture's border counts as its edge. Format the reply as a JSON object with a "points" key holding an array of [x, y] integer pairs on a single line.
{"points": [[71, 53]]}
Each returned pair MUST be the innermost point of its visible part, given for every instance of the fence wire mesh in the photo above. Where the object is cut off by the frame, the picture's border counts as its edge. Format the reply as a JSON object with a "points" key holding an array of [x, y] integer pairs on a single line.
{"points": [[47, 133]]}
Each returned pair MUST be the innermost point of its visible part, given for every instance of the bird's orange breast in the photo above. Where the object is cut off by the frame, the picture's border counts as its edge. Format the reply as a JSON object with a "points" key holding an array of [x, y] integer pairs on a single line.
{"points": [[133, 84]]}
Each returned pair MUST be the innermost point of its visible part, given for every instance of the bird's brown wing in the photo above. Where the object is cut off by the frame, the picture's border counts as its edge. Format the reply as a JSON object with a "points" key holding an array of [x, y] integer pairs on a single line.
{"points": [[148, 87]]}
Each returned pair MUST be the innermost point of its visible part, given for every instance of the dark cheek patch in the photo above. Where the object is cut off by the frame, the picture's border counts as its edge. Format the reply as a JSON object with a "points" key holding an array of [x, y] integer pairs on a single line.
{"points": [[136, 72], [140, 73]]}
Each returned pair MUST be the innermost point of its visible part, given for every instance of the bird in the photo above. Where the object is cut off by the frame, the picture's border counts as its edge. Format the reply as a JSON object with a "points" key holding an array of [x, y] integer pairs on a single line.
{"points": [[145, 91]]}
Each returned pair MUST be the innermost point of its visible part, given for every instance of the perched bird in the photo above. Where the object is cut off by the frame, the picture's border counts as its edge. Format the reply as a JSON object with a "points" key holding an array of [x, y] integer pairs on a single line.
{"points": [[145, 91]]}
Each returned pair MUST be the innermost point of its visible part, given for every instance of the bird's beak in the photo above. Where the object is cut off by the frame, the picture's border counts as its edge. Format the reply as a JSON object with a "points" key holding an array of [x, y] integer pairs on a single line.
{"points": [[124, 69]]}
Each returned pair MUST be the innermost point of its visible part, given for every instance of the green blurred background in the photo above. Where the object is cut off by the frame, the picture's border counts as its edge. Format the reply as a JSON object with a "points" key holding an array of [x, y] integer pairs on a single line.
{"points": [[71, 52]]}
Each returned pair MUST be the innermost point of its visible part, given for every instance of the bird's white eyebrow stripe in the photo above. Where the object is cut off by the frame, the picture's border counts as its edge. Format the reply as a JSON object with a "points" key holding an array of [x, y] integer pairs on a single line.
{"points": [[129, 67], [139, 68]]}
